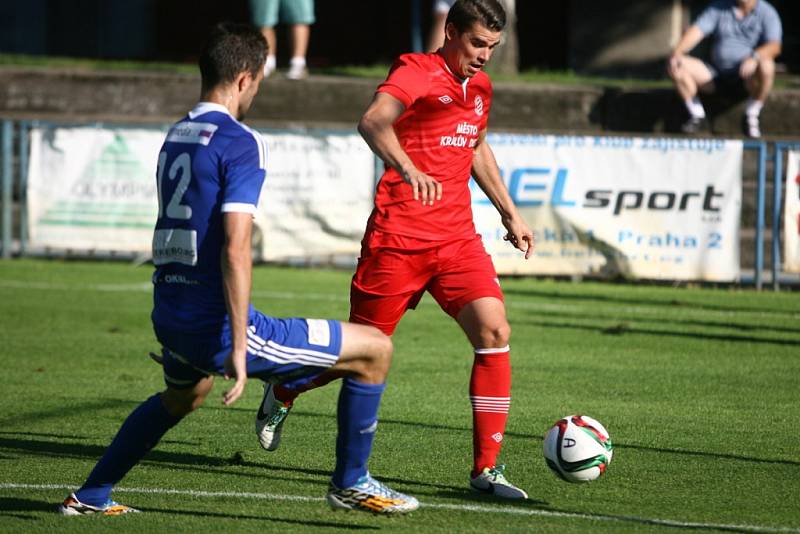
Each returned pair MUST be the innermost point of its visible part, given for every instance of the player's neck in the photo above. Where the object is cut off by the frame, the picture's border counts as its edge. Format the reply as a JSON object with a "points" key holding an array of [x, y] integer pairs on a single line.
{"points": [[222, 96], [448, 66]]}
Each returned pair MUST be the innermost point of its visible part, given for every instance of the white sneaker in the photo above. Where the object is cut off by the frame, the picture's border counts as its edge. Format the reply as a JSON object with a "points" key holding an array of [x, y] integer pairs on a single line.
{"points": [[270, 418], [752, 126], [269, 66], [493, 481], [370, 495], [297, 71], [72, 506]]}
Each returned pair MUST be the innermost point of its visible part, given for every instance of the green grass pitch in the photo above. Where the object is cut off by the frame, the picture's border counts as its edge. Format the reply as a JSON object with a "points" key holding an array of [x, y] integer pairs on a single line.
{"points": [[699, 388]]}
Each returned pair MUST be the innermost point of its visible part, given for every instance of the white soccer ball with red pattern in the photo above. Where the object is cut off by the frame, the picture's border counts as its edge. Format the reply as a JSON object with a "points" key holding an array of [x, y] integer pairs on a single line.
{"points": [[578, 448]]}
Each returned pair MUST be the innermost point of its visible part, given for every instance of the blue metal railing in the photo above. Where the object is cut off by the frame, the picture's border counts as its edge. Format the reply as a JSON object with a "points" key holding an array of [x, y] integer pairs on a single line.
{"points": [[7, 185], [761, 147]]}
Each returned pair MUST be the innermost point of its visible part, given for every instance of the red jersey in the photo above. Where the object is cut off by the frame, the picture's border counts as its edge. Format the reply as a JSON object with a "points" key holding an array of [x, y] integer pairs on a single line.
{"points": [[438, 130]]}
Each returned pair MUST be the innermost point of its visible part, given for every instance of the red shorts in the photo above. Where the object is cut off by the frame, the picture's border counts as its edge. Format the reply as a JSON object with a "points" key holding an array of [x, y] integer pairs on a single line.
{"points": [[394, 271]]}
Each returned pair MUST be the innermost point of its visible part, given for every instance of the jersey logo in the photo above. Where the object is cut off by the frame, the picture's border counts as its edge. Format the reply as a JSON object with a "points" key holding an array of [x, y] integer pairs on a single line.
{"points": [[192, 132], [478, 106], [444, 99]]}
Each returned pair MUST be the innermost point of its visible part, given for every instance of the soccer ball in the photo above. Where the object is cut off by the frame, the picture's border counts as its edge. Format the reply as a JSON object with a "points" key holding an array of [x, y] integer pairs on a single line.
{"points": [[577, 448]]}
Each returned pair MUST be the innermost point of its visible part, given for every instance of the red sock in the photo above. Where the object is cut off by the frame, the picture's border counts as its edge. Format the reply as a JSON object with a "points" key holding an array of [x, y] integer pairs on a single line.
{"points": [[285, 394], [490, 395]]}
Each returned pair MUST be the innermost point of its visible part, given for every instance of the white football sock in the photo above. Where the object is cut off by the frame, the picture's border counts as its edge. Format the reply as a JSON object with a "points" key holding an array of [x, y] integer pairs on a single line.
{"points": [[753, 108], [269, 65], [695, 108]]}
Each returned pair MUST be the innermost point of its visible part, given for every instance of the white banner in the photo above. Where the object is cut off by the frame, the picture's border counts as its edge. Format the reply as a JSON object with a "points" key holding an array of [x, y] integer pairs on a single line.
{"points": [[650, 208], [317, 196], [93, 189], [791, 215]]}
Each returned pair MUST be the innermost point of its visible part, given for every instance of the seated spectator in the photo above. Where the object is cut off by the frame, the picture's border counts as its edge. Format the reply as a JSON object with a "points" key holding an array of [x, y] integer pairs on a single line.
{"points": [[299, 14], [746, 39]]}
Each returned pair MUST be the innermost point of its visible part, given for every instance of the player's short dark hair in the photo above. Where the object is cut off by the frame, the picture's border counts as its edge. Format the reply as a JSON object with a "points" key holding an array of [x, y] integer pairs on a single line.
{"points": [[230, 50], [465, 13]]}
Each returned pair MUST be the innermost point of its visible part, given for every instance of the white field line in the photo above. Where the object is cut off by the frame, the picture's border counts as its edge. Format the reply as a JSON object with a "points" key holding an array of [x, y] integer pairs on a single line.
{"points": [[147, 287], [434, 506]]}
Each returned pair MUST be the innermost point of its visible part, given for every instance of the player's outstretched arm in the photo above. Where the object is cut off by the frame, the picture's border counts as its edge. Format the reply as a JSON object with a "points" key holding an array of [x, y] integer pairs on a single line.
{"points": [[376, 127], [487, 176], [237, 269]]}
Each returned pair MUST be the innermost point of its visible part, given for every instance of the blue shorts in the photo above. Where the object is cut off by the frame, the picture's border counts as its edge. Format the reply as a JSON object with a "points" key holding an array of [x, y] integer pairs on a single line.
{"points": [[286, 351]]}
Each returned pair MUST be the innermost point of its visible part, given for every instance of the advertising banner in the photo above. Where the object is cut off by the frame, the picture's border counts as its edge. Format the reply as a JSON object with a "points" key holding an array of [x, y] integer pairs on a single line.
{"points": [[94, 189], [317, 196], [791, 217], [651, 208]]}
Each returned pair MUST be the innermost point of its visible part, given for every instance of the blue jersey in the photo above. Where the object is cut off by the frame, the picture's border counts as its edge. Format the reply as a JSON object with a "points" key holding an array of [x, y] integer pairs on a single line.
{"points": [[209, 164]]}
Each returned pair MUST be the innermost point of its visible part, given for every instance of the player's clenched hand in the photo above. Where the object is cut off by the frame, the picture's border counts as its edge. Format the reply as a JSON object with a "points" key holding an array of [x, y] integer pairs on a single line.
{"points": [[235, 367], [424, 187], [520, 235]]}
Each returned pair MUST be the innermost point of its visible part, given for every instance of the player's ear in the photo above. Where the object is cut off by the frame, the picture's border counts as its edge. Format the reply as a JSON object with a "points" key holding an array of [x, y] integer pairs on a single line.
{"points": [[450, 31], [243, 81]]}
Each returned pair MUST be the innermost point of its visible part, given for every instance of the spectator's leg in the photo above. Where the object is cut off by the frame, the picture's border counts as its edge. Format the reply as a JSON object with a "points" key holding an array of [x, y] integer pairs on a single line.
{"points": [[272, 43], [690, 76], [300, 36], [264, 14], [758, 87]]}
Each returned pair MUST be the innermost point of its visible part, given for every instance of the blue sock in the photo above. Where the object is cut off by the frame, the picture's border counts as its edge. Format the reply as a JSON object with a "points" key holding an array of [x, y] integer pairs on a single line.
{"points": [[358, 418], [140, 432]]}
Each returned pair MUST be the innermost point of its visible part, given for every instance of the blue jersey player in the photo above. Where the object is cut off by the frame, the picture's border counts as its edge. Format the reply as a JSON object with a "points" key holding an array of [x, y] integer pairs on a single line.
{"points": [[210, 172]]}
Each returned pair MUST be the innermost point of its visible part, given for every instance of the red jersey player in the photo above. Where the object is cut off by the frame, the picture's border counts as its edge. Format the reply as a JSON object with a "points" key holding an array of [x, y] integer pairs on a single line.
{"points": [[428, 123]]}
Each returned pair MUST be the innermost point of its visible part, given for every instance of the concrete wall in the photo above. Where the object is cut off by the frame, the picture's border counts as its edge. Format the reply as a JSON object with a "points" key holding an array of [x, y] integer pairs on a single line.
{"points": [[154, 97]]}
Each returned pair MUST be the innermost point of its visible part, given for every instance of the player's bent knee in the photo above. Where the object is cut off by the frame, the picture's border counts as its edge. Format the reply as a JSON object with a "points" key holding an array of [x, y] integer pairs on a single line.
{"points": [[381, 354], [495, 335]]}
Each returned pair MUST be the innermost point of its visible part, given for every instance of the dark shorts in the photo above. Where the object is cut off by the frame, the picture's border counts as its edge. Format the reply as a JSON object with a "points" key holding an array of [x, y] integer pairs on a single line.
{"points": [[727, 81]]}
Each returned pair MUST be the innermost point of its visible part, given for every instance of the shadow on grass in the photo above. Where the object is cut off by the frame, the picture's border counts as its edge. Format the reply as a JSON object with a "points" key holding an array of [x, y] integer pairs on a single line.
{"points": [[683, 525], [627, 329], [267, 518], [15, 507], [58, 413], [668, 303], [617, 445], [631, 317], [464, 494]]}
